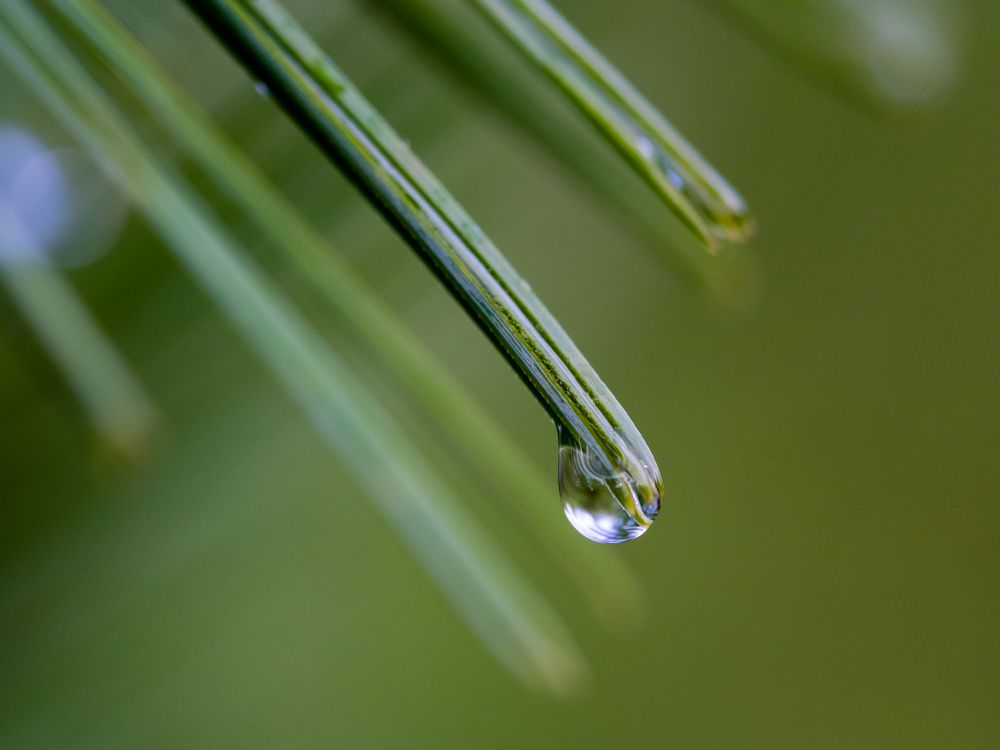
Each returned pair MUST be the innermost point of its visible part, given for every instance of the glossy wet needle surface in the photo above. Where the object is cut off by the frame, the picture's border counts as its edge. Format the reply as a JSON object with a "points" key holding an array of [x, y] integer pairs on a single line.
{"points": [[604, 507]]}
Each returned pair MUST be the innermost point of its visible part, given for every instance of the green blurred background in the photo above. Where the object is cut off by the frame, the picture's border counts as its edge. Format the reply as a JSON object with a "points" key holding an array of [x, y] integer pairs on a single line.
{"points": [[825, 570]]}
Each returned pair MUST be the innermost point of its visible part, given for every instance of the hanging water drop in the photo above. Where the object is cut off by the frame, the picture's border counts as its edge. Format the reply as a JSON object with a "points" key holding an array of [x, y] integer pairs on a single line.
{"points": [[605, 505], [261, 88]]}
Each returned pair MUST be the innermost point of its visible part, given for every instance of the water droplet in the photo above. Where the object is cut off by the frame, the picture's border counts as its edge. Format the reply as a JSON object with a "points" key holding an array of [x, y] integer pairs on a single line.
{"points": [[261, 88], [605, 505]]}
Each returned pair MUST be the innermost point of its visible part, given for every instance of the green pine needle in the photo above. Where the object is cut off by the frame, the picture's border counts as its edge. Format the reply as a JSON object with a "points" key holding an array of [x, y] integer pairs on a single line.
{"points": [[324, 103]]}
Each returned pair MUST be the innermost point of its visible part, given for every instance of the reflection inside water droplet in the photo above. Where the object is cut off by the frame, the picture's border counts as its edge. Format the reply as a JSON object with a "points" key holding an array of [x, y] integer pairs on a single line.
{"points": [[602, 504]]}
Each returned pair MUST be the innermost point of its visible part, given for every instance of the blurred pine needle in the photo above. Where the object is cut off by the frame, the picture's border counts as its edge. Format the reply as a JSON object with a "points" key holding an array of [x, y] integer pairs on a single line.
{"points": [[122, 413], [878, 54]]}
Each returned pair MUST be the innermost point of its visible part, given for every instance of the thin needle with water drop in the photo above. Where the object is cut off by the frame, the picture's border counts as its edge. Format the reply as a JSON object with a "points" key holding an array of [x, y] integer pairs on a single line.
{"points": [[703, 200], [619, 466]]}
